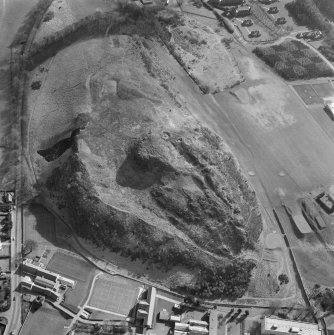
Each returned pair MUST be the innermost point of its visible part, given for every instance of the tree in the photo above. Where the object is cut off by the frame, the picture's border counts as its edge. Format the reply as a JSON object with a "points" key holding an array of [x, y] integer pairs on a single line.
{"points": [[283, 278], [29, 246]]}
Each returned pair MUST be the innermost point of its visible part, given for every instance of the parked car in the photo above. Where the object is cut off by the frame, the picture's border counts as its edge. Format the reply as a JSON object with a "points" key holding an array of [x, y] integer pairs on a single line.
{"points": [[300, 35], [281, 20], [273, 10], [247, 23], [254, 33], [316, 35]]}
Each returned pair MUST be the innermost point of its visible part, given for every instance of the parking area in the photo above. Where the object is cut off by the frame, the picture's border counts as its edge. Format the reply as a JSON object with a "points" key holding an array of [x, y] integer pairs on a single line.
{"points": [[263, 19], [282, 12]]}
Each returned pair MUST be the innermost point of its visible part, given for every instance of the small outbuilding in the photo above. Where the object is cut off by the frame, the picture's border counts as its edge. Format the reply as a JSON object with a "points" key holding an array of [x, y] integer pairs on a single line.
{"points": [[163, 315]]}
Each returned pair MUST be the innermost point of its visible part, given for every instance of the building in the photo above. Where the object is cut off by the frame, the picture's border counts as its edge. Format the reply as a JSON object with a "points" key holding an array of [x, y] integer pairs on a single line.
{"points": [[37, 271], [175, 318], [200, 323], [43, 282], [146, 308], [275, 326], [301, 224], [325, 200], [164, 315], [8, 197], [181, 327], [213, 322], [198, 330], [231, 2], [151, 297], [35, 288]]}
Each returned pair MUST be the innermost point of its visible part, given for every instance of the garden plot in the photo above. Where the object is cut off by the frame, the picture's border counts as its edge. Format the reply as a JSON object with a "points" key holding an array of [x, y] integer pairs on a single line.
{"points": [[294, 60]]}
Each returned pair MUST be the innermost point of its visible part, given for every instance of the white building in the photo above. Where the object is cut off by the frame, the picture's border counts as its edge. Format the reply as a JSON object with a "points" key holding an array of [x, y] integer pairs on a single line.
{"points": [[274, 326]]}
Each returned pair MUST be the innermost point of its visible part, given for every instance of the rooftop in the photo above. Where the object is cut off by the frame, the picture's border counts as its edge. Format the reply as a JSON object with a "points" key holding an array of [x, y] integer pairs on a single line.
{"points": [[290, 326]]}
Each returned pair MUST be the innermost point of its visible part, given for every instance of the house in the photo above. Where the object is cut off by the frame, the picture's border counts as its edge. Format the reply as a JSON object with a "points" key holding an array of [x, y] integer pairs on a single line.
{"points": [[8, 197], [275, 326]]}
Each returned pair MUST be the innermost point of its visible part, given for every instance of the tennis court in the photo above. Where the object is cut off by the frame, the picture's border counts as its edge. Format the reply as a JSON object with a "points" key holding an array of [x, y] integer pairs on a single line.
{"points": [[308, 94], [114, 294]]}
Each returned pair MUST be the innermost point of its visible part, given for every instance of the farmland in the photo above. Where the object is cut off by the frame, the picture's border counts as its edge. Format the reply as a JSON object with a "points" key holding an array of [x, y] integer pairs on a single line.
{"points": [[294, 60]]}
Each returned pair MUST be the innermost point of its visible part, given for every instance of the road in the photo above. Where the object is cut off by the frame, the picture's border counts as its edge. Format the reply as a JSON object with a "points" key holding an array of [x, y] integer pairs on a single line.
{"points": [[12, 13]]}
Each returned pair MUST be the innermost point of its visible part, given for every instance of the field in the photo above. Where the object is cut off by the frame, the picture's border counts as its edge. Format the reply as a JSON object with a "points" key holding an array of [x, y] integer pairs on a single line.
{"points": [[39, 224], [294, 60], [114, 294], [45, 320], [314, 93], [69, 266], [75, 268]]}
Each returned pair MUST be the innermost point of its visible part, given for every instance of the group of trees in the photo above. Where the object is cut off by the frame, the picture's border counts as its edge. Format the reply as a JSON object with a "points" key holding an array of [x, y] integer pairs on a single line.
{"points": [[5, 295], [7, 225], [283, 278], [306, 12], [33, 18], [141, 21], [301, 63], [229, 282], [313, 13]]}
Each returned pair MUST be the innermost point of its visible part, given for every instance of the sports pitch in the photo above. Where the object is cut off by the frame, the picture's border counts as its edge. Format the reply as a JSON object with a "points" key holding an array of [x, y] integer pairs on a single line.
{"points": [[313, 94], [116, 295]]}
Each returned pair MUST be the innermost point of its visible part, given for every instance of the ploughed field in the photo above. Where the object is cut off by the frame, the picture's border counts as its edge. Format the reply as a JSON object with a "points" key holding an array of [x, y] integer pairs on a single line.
{"points": [[111, 140]]}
